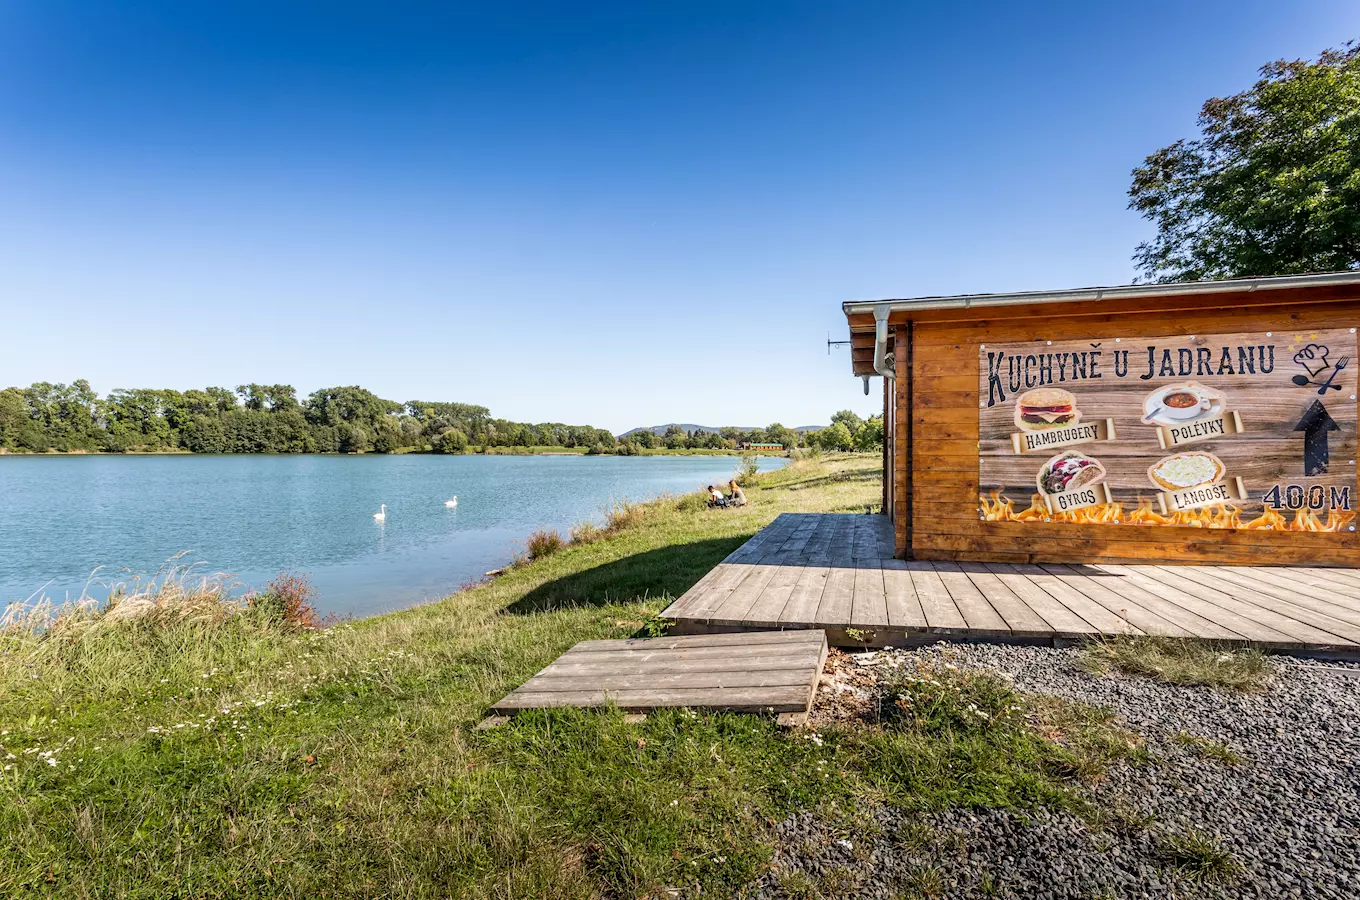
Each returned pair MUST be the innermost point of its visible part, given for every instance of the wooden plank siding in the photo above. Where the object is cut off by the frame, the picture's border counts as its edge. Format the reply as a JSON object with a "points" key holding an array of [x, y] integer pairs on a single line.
{"points": [[935, 477]]}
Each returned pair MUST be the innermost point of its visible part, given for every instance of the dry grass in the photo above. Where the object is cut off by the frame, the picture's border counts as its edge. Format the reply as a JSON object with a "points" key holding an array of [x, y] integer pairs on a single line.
{"points": [[623, 515], [1179, 661], [543, 543], [586, 533]]}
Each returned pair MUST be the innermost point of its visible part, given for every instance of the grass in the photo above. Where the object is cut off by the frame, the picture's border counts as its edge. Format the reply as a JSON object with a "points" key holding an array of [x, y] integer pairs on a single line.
{"points": [[213, 748], [1179, 661], [1208, 748], [1198, 856]]}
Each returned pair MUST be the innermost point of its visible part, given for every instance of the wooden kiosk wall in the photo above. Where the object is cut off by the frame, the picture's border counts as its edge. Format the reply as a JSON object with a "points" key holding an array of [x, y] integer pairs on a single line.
{"points": [[935, 442]]}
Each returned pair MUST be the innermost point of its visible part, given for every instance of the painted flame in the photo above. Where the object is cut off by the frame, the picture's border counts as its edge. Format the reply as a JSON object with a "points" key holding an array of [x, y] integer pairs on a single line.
{"points": [[996, 507]]}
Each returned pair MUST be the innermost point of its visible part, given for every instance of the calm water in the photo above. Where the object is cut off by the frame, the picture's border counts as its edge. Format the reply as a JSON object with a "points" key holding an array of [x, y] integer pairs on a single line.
{"points": [[252, 516]]}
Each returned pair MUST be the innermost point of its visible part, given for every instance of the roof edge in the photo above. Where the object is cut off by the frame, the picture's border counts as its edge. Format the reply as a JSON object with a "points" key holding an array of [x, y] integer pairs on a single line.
{"points": [[1232, 285]]}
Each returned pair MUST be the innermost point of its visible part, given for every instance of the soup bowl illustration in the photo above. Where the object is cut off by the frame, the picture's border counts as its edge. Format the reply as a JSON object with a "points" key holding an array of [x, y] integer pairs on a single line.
{"points": [[1182, 402]]}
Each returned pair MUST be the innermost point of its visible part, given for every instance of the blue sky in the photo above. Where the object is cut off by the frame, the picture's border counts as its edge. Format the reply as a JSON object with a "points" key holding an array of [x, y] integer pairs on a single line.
{"points": [[614, 213]]}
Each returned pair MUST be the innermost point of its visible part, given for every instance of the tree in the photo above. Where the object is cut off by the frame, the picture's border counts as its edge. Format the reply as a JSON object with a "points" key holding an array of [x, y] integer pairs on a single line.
{"points": [[451, 441], [778, 434], [849, 419], [870, 434], [1272, 185], [837, 437]]}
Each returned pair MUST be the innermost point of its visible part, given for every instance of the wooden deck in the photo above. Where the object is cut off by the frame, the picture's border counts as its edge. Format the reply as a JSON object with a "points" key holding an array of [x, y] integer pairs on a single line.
{"points": [[835, 572], [769, 672]]}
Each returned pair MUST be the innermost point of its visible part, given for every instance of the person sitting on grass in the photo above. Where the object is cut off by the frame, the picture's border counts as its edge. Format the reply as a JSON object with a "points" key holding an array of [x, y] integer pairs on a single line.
{"points": [[715, 497], [737, 497]]}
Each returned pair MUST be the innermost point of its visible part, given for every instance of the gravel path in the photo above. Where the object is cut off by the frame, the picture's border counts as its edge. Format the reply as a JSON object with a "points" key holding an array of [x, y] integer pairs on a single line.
{"points": [[1289, 813]]}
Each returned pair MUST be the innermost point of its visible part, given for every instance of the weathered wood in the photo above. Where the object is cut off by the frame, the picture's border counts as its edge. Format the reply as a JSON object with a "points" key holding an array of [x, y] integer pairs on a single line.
{"points": [[904, 608], [869, 605], [761, 700], [835, 606], [941, 473], [936, 603], [1003, 596], [1020, 619], [766, 672]]}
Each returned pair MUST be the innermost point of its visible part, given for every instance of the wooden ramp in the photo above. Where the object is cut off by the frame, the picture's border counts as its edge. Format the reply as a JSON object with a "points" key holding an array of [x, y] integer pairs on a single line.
{"points": [[762, 672], [835, 573]]}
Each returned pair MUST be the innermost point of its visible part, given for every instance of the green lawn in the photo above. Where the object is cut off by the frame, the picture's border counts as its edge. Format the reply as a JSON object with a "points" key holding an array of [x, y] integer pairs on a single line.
{"points": [[213, 755]]}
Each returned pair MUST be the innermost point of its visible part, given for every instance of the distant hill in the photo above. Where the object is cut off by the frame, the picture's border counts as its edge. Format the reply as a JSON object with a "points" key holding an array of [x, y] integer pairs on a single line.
{"points": [[659, 430]]}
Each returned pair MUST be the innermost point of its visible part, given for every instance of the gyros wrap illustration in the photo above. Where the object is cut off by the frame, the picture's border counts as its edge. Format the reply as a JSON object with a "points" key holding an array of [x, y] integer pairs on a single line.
{"points": [[1069, 471]]}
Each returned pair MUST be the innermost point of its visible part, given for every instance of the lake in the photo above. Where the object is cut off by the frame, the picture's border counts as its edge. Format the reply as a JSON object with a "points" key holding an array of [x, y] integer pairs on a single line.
{"points": [[61, 517]]}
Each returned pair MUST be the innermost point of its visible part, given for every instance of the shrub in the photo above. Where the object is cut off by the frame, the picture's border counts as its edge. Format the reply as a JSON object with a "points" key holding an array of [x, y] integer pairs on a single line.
{"points": [[622, 515], [290, 600], [586, 533], [626, 448], [747, 469], [693, 502], [543, 543]]}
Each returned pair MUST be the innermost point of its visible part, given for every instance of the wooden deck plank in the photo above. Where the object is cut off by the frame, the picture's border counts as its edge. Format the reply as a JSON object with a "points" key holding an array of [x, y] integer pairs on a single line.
{"points": [[1061, 618], [1282, 624], [1264, 596], [664, 667], [763, 699], [1020, 618], [1131, 613], [738, 603], [834, 609], [1345, 576], [806, 596], [642, 681], [981, 617], [1123, 589], [1106, 620], [638, 654], [936, 603], [1148, 612], [1228, 617], [766, 610], [729, 579], [1338, 594], [869, 605], [680, 642], [904, 608], [772, 672]]}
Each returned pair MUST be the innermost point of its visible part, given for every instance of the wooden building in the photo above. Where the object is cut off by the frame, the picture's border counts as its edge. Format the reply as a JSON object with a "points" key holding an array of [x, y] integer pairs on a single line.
{"points": [[1203, 422]]}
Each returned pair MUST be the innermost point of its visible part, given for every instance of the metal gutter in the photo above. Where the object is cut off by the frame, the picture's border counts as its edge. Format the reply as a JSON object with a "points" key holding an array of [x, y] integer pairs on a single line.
{"points": [[882, 308]]}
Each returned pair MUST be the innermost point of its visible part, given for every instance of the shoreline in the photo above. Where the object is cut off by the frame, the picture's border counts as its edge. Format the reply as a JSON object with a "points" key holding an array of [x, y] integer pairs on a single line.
{"points": [[493, 451]]}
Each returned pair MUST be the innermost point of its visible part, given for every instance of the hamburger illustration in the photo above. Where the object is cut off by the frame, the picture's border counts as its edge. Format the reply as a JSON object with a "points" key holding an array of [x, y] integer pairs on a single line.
{"points": [[1044, 408], [1186, 470], [1069, 471]]}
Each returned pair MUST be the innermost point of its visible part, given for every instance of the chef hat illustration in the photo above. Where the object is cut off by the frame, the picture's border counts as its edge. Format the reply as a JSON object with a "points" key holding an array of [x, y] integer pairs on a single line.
{"points": [[1313, 358]]}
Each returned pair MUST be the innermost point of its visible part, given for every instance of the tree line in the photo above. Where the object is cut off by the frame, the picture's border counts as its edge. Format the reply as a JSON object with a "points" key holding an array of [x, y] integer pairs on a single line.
{"points": [[270, 418]]}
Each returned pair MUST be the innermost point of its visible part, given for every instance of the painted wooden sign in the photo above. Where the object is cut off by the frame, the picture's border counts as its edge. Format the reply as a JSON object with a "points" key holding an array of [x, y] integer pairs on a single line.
{"points": [[1252, 430]]}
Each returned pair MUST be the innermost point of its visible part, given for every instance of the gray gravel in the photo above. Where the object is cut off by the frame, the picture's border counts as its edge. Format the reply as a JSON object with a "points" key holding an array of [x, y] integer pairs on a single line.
{"points": [[1289, 814]]}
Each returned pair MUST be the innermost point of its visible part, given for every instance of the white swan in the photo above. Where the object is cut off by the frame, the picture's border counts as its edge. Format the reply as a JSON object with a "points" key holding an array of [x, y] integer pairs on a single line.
{"points": [[451, 502], [381, 515]]}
